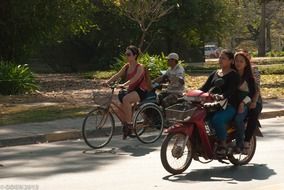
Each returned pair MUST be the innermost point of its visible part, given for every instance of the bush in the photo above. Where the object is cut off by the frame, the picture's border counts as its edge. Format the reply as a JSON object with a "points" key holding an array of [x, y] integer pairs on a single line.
{"points": [[154, 63], [272, 53], [16, 79], [270, 70], [275, 54]]}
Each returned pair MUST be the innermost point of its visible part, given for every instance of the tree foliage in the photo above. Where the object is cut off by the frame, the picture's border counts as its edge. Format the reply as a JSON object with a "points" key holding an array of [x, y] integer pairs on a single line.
{"points": [[27, 24]]}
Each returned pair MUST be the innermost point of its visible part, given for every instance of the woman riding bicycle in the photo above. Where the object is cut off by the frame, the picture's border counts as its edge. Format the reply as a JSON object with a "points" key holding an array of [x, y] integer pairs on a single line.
{"points": [[136, 85]]}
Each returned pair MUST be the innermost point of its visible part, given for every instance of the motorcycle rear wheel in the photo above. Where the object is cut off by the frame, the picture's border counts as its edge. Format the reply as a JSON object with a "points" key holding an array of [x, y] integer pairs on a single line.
{"points": [[240, 159]]}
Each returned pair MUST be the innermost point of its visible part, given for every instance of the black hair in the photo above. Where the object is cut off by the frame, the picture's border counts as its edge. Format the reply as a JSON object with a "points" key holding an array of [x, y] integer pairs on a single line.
{"points": [[248, 75], [228, 53], [134, 50]]}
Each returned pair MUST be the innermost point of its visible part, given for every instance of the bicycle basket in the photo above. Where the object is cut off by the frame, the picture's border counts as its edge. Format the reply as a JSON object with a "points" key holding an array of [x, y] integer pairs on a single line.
{"points": [[179, 112], [102, 97]]}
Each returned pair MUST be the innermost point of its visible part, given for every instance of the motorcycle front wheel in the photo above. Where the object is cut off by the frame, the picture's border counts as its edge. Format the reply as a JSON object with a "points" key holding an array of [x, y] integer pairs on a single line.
{"points": [[174, 158]]}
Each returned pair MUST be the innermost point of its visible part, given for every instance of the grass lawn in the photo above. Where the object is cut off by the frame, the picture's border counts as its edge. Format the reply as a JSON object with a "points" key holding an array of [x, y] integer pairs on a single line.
{"points": [[98, 74], [40, 114], [272, 86]]}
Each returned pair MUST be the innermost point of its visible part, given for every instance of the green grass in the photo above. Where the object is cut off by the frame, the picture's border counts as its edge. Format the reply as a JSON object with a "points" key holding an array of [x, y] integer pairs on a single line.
{"points": [[41, 114], [98, 74], [264, 69], [272, 69], [272, 86], [262, 61]]}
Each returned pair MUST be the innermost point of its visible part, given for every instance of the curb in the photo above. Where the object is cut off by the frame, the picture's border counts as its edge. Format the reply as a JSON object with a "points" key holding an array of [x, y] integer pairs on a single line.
{"points": [[272, 114], [44, 138], [71, 135]]}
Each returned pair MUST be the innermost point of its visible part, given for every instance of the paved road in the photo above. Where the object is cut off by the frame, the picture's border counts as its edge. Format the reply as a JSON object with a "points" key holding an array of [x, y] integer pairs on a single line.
{"points": [[131, 165]]}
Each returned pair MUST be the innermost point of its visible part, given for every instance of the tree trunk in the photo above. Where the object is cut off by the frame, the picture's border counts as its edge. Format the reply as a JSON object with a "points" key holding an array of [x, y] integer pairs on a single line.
{"points": [[268, 37], [261, 37], [141, 43]]}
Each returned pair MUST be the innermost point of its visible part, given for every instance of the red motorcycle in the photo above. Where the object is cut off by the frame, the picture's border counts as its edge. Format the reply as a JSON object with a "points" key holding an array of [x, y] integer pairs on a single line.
{"points": [[192, 138]]}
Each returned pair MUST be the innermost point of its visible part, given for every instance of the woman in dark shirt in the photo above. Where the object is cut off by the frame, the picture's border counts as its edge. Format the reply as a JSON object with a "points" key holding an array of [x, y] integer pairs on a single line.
{"points": [[228, 91]]}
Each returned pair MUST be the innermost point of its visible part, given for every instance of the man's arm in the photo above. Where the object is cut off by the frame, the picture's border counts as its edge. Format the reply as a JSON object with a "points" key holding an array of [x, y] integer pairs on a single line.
{"points": [[160, 79]]}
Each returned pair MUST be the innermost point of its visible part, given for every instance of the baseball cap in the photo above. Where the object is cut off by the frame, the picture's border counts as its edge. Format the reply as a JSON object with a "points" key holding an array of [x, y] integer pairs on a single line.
{"points": [[173, 56]]}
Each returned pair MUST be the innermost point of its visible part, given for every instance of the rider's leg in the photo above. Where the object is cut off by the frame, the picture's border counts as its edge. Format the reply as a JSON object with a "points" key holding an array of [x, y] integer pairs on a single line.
{"points": [[240, 127], [219, 121], [128, 100], [252, 122], [119, 112]]}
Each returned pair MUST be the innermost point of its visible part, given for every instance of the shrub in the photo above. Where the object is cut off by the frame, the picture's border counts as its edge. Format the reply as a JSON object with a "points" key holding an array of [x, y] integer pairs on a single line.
{"points": [[274, 69], [16, 79], [154, 63], [275, 53]]}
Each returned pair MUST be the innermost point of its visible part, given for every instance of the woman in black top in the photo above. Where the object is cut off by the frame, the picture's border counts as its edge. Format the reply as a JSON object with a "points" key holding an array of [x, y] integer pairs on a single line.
{"points": [[228, 91]]}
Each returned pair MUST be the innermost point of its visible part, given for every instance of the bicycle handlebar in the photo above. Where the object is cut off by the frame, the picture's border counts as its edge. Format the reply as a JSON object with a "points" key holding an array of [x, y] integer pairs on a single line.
{"points": [[115, 85]]}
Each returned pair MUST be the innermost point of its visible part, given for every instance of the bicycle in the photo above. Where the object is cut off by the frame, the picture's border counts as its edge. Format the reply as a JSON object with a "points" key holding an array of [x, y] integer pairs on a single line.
{"points": [[98, 125], [156, 116]]}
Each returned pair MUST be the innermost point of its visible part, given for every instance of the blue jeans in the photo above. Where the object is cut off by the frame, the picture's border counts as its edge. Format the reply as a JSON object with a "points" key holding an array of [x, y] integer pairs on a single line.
{"points": [[240, 127], [220, 119]]}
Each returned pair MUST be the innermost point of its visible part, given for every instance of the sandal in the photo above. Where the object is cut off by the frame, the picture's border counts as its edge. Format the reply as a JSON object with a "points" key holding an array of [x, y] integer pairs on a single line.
{"points": [[127, 130]]}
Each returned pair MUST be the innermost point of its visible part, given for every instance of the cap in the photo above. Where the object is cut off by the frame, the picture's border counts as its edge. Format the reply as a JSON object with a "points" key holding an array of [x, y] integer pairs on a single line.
{"points": [[173, 56]]}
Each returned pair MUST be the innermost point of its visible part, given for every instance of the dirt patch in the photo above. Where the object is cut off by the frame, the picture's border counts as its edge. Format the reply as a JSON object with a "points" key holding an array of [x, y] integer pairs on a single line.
{"points": [[66, 89], [71, 88]]}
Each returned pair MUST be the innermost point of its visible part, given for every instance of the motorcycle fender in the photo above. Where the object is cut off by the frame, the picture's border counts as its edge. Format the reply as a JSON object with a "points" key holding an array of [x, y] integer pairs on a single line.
{"points": [[179, 127], [257, 132]]}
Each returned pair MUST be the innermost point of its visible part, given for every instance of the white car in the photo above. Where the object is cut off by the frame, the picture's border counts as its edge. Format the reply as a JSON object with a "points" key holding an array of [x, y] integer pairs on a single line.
{"points": [[211, 51]]}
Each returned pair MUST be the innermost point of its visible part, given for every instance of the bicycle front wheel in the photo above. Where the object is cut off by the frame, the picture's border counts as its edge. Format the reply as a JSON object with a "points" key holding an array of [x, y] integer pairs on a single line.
{"points": [[98, 128], [148, 123]]}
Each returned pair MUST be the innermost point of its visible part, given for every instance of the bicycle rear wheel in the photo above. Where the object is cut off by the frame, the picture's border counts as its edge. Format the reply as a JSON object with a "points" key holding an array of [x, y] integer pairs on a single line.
{"points": [[148, 123], [98, 128]]}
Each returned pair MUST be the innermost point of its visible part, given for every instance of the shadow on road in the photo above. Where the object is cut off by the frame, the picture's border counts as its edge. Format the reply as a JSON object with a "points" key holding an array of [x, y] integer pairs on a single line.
{"points": [[138, 150], [230, 174], [40, 161]]}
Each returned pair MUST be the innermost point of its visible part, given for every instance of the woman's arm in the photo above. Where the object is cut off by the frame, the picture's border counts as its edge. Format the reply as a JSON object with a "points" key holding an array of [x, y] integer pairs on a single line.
{"points": [[257, 87], [118, 75], [255, 97], [232, 85], [207, 85], [252, 87]]}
